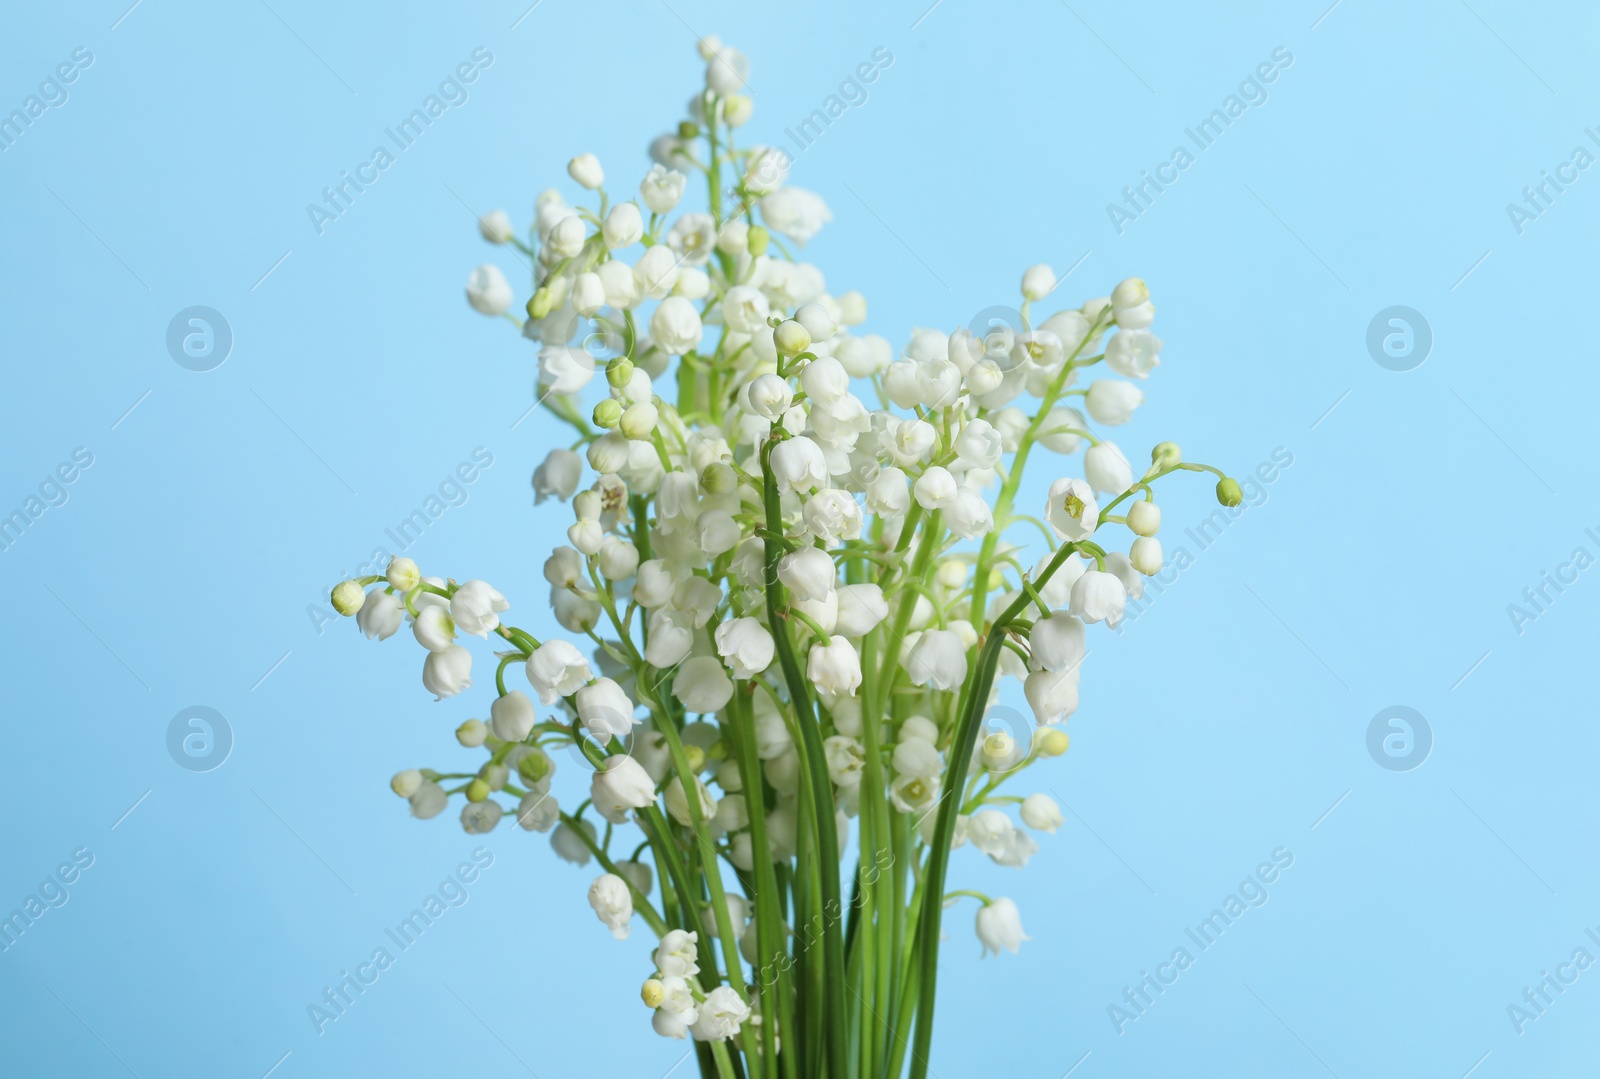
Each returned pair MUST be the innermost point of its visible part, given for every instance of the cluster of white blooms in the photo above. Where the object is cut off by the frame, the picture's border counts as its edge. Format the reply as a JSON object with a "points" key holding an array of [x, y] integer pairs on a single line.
{"points": [[680, 1006], [785, 559]]}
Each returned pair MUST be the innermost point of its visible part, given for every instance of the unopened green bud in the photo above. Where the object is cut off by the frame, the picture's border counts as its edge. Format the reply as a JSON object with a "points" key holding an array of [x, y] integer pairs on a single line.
{"points": [[719, 750], [619, 372], [1166, 454], [534, 767], [1228, 492], [697, 757], [348, 597], [688, 129], [473, 733], [608, 413], [477, 790], [540, 303], [756, 240]]}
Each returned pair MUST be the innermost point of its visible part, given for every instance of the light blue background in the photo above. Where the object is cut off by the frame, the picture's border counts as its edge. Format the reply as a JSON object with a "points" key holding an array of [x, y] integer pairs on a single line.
{"points": [[1224, 722]]}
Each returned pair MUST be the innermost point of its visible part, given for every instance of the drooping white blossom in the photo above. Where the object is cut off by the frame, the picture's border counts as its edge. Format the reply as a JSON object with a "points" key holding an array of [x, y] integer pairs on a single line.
{"points": [[612, 903], [999, 927]]}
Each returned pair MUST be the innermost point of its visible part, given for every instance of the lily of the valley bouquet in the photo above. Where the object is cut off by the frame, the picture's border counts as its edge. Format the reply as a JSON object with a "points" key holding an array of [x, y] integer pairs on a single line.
{"points": [[791, 591]]}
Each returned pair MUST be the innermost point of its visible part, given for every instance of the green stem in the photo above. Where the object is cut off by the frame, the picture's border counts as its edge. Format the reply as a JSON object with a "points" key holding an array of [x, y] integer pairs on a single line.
{"points": [[641, 902], [836, 1036], [1008, 491], [771, 957], [817, 631], [960, 757]]}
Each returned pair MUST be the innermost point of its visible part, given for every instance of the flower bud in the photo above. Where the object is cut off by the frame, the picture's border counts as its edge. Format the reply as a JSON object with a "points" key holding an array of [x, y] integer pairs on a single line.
{"points": [[1130, 293], [496, 227], [585, 168], [608, 413], [770, 395], [808, 573], [1228, 492], [403, 574], [998, 750], [623, 226], [818, 323], [405, 783], [496, 775], [638, 421], [348, 596], [488, 291], [653, 993], [791, 337], [675, 326], [1145, 555], [535, 767], [688, 129], [695, 756], [619, 372], [588, 294], [586, 535], [473, 733], [1144, 518], [477, 790], [1051, 741], [737, 109], [1166, 454], [1040, 812], [619, 559], [1111, 401], [540, 303], [1038, 282], [718, 478], [567, 237], [756, 240]]}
